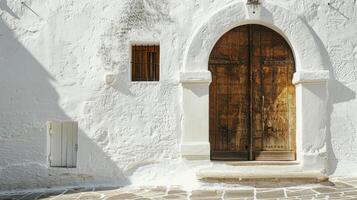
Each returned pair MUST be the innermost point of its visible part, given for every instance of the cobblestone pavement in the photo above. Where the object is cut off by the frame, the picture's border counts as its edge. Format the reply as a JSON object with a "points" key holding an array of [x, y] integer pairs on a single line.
{"points": [[341, 188]]}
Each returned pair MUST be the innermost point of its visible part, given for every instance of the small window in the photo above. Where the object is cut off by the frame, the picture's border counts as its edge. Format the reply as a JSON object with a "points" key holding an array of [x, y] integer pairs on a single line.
{"points": [[145, 64], [62, 144]]}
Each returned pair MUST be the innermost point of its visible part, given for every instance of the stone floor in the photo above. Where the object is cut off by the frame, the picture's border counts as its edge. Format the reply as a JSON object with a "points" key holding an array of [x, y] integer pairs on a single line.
{"points": [[338, 188]]}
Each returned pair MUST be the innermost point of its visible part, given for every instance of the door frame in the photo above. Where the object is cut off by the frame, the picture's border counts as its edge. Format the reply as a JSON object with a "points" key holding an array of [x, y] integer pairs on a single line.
{"points": [[310, 80]]}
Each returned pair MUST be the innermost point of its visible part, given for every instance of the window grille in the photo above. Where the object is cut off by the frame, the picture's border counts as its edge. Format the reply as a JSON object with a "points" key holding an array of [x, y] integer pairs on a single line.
{"points": [[145, 63], [253, 2]]}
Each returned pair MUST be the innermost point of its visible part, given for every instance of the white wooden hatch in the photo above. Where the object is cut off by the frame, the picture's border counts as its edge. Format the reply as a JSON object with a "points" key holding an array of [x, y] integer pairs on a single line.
{"points": [[62, 143]]}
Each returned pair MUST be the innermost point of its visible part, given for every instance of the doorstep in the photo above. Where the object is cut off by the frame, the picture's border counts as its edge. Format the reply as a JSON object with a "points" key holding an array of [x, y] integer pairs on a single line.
{"points": [[260, 175], [257, 163]]}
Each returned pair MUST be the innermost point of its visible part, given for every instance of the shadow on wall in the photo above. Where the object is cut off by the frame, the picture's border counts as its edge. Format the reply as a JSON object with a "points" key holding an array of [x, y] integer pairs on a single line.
{"points": [[4, 7], [337, 93], [27, 101]]}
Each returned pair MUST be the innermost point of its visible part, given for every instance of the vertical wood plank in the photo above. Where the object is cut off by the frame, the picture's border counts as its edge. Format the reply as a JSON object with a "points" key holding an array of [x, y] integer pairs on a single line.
{"points": [[250, 35], [68, 143], [68, 130], [138, 63], [256, 90], [64, 141], [75, 143], [55, 144]]}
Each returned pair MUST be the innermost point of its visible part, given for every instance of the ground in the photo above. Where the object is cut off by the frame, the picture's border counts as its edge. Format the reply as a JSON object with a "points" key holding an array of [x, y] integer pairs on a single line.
{"points": [[337, 188]]}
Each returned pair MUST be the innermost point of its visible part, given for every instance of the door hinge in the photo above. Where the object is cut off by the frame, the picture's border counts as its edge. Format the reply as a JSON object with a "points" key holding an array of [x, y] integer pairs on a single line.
{"points": [[76, 147]]}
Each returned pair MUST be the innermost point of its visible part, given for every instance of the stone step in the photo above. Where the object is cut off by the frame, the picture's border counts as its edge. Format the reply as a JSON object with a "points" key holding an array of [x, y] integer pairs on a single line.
{"points": [[261, 177], [259, 163]]}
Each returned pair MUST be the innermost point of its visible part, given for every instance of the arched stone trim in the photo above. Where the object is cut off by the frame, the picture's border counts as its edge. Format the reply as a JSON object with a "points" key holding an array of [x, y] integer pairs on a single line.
{"points": [[285, 22], [310, 79]]}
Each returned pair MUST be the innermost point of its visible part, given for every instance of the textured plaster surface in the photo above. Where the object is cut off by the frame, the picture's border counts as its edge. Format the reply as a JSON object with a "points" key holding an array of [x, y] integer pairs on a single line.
{"points": [[54, 56]]}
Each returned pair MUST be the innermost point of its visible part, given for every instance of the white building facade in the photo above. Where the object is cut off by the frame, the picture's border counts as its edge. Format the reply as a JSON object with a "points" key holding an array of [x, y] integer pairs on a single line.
{"points": [[72, 61]]}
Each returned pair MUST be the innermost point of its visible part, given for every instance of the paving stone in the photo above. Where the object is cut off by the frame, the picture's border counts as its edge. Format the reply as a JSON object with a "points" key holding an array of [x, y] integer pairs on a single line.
{"points": [[351, 197], [335, 197], [353, 192], [32, 196], [235, 194], [65, 198], [205, 198], [344, 179], [206, 194], [325, 189], [329, 195], [354, 183], [172, 196], [156, 189], [89, 196], [270, 194], [176, 191], [73, 193], [339, 189], [149, 194], [112, 192], [300, 192], [306, 197], [123, 196], [50, 195], [12, 196], [342, 185], [346, 189]]}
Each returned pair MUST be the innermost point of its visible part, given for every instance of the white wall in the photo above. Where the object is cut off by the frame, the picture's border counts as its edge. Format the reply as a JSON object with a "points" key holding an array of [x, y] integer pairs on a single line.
{"points": [[52, 65]]}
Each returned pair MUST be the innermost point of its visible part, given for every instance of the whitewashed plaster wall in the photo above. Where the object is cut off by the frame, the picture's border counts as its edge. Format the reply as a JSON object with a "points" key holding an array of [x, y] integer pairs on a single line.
{"points": [[53, 59]]}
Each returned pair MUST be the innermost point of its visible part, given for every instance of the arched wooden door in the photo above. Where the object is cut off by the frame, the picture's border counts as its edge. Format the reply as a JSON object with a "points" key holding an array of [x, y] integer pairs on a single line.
{"points": [[252, 99]]}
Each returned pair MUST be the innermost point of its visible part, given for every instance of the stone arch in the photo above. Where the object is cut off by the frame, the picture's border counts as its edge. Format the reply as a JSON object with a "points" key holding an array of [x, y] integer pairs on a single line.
{"points": [[310, 78], [285, 22]]}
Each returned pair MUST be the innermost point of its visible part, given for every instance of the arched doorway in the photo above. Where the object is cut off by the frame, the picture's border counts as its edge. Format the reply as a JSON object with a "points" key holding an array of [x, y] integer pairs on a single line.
{"points": [[251, 97]]}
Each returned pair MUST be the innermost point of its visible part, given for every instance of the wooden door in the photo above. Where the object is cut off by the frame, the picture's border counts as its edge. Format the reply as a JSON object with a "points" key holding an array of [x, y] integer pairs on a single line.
{"points": [[229, 96], [252, 99]]}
